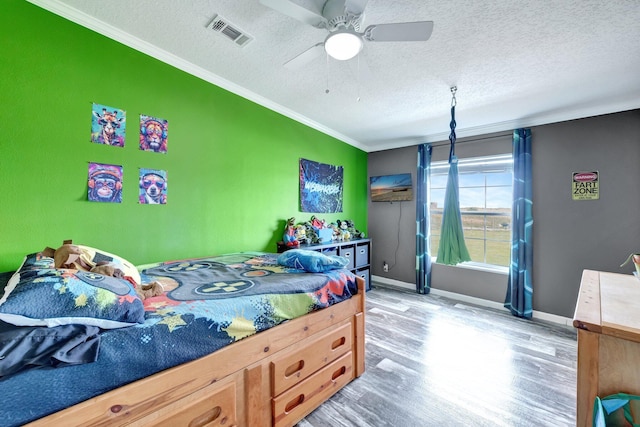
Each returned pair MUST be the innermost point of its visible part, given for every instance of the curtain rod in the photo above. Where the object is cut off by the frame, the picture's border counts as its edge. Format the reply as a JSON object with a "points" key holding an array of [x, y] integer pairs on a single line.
{"points": [[478, 139]]}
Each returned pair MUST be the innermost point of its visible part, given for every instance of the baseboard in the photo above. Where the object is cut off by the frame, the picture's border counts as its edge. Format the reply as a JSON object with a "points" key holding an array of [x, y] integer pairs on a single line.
{"points": [[386, 282]]}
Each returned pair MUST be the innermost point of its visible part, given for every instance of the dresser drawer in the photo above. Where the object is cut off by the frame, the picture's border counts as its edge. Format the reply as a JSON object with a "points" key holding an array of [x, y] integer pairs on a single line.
{"points": [[349, 252], [294, 404], [362, 254], [289, 370]]}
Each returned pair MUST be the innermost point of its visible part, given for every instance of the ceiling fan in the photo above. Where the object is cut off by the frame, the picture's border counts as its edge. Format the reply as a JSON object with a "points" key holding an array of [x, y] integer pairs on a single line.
{"points": [[342, 18]]}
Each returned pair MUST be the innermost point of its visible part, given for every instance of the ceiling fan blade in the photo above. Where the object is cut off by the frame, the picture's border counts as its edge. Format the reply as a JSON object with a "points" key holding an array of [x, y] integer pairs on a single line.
{"points": [[400, 32], [355, 7], [305, 57], [296, 11]]}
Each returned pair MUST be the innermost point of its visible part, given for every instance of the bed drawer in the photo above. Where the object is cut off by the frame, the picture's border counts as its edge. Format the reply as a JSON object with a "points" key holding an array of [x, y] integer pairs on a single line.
{"points": [[290, 369], [292, 405], [214, 405]]}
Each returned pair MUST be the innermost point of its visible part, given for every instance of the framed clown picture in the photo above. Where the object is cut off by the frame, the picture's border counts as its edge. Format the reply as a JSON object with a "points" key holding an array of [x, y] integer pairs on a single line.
{"points": [[153, 187], [153, 134], [104, 183]]}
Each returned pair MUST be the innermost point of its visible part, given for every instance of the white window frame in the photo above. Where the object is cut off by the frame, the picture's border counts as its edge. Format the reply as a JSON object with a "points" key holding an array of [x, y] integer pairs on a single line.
{"points": [[478, 164]]}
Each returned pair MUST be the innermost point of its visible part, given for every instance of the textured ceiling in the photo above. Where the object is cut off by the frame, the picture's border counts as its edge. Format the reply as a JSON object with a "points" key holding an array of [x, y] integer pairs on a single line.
{"points": [[515, 63]]}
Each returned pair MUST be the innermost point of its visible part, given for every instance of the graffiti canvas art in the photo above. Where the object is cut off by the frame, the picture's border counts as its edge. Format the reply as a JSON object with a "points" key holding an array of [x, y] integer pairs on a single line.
{"points": [[105, 183], [153, 134], [320, 187], [107, 125], [153, 187]]}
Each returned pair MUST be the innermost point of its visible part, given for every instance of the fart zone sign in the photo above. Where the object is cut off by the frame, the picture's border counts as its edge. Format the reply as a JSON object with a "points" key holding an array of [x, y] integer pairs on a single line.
{"points": [[585, 186]]}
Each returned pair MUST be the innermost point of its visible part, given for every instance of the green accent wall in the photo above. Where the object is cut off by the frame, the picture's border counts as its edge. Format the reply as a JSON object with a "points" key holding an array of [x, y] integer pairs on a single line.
{"points": [[232, 164]]}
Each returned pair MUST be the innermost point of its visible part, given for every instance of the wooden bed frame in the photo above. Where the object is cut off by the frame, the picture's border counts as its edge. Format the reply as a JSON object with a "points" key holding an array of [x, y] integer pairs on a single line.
{"points": [[273, 378]]}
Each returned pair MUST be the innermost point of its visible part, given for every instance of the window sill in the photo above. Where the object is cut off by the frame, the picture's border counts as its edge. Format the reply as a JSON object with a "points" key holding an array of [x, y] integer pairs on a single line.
{"points": [[478, 266]]}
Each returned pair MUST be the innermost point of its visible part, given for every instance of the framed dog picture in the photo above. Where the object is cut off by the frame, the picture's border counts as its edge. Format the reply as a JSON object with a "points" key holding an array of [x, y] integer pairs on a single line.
{"points": [[153, 187]]}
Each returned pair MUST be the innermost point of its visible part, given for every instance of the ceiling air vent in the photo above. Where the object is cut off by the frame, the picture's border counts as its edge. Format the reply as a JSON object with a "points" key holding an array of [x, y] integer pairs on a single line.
{"points": [[230, 31]]}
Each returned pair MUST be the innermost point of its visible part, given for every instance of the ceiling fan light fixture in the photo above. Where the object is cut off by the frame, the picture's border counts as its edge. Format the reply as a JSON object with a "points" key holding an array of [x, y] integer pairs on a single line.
{"points": [[343, 44]]}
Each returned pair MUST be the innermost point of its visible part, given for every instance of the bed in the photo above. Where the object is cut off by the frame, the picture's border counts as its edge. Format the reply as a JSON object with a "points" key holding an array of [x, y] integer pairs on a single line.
{"points": [[233, 340]]}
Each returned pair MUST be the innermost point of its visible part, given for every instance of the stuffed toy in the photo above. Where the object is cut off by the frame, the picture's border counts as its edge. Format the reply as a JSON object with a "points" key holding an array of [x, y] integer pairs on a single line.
{"points": [[108, 269], [289, 236], [149, 290], [346, 235], [356, 234], [301, 234], [317, 223], [312, 236], [337, 232], [70, 256], [73, 257]]}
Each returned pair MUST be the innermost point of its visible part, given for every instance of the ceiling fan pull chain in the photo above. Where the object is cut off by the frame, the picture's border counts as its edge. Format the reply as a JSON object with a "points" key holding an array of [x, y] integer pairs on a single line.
{"points": [[358, 79], [327, 89]]}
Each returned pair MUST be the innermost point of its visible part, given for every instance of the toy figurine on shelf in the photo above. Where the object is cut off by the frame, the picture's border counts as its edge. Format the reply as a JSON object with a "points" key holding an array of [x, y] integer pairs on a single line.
{"points": [[342, 225], [317, 223], [289, 236], [301, 234], [312, 235], [355, 233]]}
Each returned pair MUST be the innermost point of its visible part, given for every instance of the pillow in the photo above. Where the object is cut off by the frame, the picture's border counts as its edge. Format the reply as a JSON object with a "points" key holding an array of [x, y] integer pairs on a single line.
{"points": [[311, 261], [36, 261], [98, 255], [37, 295]]}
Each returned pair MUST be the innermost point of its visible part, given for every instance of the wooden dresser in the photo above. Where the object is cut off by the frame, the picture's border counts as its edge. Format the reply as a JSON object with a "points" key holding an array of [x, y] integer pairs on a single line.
{"points": [[607, 317]]}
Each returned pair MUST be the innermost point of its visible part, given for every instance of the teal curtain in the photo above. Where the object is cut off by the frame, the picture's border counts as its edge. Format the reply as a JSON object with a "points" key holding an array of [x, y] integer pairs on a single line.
{"points": [[452, 248], [423, 249], [519, 297]]}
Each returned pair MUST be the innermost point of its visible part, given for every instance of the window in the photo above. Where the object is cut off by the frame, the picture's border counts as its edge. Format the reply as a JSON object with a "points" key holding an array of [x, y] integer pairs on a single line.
{"points": [[486, 187]]}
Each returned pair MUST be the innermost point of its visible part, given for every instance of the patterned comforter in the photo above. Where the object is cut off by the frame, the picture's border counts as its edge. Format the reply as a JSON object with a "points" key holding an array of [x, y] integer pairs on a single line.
{"points": [[207, 304]]}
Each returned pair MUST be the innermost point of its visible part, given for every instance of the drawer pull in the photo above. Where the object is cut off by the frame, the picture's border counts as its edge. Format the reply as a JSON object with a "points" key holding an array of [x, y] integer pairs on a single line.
{"points": [[362, 251], [337, 343], [294, 403], [206, 418], [292, 369], [338, 373]]}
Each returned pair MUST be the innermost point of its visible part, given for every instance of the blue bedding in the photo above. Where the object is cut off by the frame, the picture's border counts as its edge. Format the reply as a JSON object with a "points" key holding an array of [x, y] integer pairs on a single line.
{"points": [[207, 304]]}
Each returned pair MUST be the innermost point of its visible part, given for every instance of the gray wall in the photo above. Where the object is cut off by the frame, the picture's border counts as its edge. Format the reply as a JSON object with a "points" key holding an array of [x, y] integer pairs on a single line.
{"points": [[569, 236]]}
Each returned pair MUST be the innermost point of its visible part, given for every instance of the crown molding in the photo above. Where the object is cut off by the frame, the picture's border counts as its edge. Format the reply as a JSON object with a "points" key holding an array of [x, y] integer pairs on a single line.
{"points": [[109, 31], [544, 119], [58, 8]]}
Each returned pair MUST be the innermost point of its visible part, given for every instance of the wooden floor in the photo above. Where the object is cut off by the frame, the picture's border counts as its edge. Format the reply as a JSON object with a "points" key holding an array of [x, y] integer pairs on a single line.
{"points": [[433, 361]]}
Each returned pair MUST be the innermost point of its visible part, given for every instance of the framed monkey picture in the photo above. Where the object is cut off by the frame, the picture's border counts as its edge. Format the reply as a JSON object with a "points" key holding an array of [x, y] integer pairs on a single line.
{"points": [[104, 183]]}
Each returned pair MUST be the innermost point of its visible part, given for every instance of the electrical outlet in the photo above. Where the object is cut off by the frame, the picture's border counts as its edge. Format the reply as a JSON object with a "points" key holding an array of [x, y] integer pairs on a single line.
{"points": [[385, 267]]}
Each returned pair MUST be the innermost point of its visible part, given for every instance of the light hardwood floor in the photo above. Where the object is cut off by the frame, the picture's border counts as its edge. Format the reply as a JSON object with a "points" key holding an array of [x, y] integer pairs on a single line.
{"points": [[433, 361]]}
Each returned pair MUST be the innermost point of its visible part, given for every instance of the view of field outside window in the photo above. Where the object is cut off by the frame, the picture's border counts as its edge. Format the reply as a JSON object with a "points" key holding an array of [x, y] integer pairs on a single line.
{"points": [[486, 187]]}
